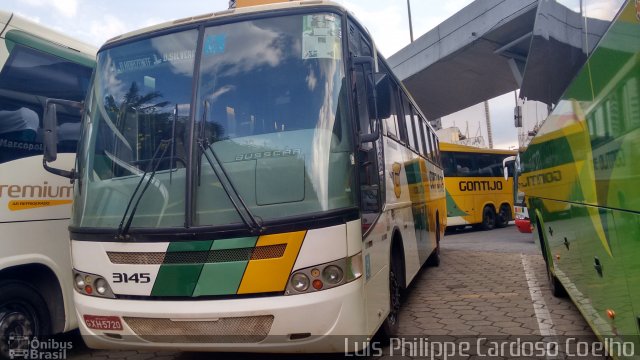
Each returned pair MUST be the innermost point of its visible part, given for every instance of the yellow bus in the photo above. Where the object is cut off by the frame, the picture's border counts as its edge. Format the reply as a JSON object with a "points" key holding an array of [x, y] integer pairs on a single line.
{"points": [[477, 193]]}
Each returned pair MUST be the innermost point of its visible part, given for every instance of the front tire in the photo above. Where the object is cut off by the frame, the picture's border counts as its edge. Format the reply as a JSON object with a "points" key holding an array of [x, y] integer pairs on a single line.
{"points": [[434, 259], [23, 313], [389, 328]]}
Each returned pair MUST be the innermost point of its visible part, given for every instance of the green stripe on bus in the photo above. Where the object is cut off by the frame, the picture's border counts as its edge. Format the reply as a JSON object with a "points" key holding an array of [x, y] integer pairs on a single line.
{"points": [[180, 279], [452, 207], [223, 278], [23, 38]]}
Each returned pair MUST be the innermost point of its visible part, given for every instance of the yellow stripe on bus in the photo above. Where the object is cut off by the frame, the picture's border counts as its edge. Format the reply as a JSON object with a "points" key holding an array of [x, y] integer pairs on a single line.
{"points": [[17, 205], [271, 275]]}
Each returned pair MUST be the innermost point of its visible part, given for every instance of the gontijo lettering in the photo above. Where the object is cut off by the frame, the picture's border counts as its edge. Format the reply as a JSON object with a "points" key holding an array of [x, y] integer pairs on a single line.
{"points": [[480, 185]]}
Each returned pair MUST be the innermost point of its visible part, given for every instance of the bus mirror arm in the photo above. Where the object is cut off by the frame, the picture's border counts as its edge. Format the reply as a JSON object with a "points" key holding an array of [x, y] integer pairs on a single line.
{"points": [[505, 165], [379, 96], [50, 137]]}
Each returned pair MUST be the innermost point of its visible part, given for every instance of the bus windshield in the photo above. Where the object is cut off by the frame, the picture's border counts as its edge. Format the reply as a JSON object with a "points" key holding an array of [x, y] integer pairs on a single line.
{"points": [[270, 108]]}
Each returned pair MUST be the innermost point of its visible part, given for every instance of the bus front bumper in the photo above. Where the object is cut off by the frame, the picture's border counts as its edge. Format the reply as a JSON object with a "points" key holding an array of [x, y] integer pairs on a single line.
{"points": [[323, 321], [523, 225]]}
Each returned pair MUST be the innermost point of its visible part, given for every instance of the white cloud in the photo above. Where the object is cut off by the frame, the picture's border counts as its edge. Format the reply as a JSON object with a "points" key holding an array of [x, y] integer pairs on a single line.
{"points": [[67, 8], [30, 17], [103, 29], [386, 23]]}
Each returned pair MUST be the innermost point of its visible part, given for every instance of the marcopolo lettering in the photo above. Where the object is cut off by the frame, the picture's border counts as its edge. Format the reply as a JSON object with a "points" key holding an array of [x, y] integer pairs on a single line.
{"points": [[484, 185]]}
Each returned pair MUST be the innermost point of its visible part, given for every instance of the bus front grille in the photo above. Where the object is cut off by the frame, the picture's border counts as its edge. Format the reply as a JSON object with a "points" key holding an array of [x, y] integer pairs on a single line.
{"points": [[198, 257], [248, 329]]}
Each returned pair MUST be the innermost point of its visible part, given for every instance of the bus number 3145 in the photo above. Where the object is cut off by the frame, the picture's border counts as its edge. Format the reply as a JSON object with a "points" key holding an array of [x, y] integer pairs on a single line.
{"points": [[141, 278]]}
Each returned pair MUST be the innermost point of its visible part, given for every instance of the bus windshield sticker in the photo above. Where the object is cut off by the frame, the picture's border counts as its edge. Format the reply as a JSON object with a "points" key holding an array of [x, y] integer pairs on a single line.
{"points": [[321, 37], [215, 44]]}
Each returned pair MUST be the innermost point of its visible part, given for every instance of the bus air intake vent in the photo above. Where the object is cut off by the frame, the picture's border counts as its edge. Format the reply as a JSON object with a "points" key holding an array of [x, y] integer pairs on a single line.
{"points": [[249, 329], [198, 257]]}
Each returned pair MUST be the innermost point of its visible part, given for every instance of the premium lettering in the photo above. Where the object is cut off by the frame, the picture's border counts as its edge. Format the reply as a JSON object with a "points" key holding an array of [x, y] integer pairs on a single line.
{"points": [[35, 191]]}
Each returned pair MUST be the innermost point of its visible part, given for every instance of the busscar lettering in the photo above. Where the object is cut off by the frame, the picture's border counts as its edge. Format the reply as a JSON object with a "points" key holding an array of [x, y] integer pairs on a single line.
{"points": [[484, 185], [268, 154]]}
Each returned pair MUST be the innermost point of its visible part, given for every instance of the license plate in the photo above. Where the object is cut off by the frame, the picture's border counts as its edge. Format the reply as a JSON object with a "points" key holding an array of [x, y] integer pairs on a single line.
{"points": [[103, 322]]}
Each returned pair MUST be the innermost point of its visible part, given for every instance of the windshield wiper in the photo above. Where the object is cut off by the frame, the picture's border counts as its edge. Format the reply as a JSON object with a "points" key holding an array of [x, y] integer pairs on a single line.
{"points": [[238, 203], [123, 228]]}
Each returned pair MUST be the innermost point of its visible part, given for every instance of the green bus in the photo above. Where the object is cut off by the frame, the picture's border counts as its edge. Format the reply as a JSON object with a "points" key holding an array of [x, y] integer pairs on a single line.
{"points": [[578, 173]]}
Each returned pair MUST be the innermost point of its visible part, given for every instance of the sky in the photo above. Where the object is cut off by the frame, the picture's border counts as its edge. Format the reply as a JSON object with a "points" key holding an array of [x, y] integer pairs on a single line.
{"points": [[96, 21]]}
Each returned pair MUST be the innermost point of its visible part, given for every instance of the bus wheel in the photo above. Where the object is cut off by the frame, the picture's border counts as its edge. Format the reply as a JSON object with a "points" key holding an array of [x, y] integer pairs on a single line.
{"points": [[504, 215], [554, 284], [434, 258], [390, 325], [488, 218], [22, 314]]}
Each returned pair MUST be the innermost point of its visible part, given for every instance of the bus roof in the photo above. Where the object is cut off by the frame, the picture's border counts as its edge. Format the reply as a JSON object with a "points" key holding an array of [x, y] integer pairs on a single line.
{"points": [[464, 148], [11, 21], [229, 13]]}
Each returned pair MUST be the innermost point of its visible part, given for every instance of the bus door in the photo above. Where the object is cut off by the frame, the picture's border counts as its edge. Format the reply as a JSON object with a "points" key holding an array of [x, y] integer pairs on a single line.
{"points": [[369, 163]]}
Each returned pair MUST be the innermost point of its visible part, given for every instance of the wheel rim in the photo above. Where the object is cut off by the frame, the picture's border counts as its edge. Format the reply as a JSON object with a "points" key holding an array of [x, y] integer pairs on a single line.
{"points": [[17, 326], [490, 219], [394, 289]]}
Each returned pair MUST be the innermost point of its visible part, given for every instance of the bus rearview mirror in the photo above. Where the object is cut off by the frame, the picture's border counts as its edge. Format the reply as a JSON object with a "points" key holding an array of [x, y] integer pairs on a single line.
{"points": [[383, 95], [50, 137]]}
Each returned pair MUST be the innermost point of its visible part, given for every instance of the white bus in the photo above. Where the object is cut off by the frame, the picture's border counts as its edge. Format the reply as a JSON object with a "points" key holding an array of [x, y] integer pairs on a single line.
{"points": [[251, 180], [36, 63]]}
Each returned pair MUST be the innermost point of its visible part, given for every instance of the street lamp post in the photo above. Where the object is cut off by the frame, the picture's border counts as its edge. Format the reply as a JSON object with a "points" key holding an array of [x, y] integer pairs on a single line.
{"points": [[410, 25]]}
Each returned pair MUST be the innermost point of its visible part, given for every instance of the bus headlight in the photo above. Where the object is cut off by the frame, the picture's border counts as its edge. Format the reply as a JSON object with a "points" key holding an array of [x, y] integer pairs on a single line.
{"points": [[332, 274], [92, 285], [79, 282], [101, 286], [300, 282], [325, 276]]}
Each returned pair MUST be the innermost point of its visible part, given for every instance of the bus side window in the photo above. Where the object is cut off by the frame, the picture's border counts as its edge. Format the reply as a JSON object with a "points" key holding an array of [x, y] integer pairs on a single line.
{"points": [[449, 164], [30, 75], [417, 131], [408, 120], [428, 142], [485, 164], [391, 123], [465, 164], [436, 148], [402, 125]]}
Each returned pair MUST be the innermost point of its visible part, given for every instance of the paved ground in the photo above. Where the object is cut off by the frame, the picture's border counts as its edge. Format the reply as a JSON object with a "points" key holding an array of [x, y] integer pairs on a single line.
{"points": [[490, 285]]}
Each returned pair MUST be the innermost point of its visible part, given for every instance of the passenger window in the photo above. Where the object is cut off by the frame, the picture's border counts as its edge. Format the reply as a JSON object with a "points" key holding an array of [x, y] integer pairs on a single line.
{"points": [[27, 79], [436, 149], [465, 164], [428, 142], [408, 122], [417, 131], [391, 123]]}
